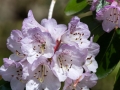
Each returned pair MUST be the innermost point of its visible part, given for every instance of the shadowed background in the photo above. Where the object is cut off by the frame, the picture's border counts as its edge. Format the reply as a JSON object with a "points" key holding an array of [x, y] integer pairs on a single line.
{"points": [[12, 13]]}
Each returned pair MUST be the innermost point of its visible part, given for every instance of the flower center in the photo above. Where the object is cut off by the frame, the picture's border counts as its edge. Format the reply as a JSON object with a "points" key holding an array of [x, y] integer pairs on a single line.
{"points": [[113, 16], [18, 75], [89, 58], [41, 73], [77, 37], [39, 46], [20, 54], [64, 62]]}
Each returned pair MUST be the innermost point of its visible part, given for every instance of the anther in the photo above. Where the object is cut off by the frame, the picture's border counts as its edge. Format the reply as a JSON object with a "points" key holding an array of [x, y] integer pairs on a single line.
{"points": [[83, 70], [89, 58], [17, 78], [70, 65], [91, 71], [34, 48]]}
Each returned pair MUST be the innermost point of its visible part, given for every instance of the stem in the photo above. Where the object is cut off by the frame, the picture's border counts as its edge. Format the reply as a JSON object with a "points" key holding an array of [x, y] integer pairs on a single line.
{"points": [[51, 9], [89, 13], [57, 46]]}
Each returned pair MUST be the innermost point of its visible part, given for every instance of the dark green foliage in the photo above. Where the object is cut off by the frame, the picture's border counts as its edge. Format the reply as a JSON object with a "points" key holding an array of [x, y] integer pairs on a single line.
{"points": [[75, 6], [109, 53], [117, 83]]}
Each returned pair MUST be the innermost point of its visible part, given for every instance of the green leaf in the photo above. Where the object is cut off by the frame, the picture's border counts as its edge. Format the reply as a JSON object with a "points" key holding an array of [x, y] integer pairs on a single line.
{"points": [[75, 6], [101, 4], [109, 46], [117, 83], [2, 82], [118, 31], [6, 86], [108, 56], [62, 85]]}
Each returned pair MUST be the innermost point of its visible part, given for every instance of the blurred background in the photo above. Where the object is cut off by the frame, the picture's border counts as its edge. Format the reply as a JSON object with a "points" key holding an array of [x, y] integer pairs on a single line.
{"points": [[12, 13]]}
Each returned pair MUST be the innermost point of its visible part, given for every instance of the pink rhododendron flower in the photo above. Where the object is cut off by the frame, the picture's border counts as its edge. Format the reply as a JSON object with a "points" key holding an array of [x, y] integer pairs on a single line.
{"points": [[85, 82], [14, 44], [91, 63], [42, 78], [56, 30], [77, 34], [30, 23], [94, 4], [46, 54], [68, 62], [110, 15], [12, 71], [110, 1], [38, 43]]}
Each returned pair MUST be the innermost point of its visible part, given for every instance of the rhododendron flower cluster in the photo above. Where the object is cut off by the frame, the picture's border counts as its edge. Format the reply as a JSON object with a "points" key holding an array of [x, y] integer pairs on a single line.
{"points": [[109, 14], [46, 54]]}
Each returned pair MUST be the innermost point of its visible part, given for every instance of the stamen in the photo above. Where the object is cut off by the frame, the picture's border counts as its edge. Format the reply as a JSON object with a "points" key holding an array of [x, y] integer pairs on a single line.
{"points": [[83, 70], [58, 61], [42, 48], [89, 58], [41, 79], [63, 64], [17, 78], [34, 48], [76, 82], [82, 34], [19, 54], [41, 74], [70, 65], [89, 63]]}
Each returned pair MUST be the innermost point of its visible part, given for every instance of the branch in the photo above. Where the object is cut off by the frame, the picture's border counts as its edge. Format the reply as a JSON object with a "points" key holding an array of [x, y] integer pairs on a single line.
{"points": [[51, 9]]}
